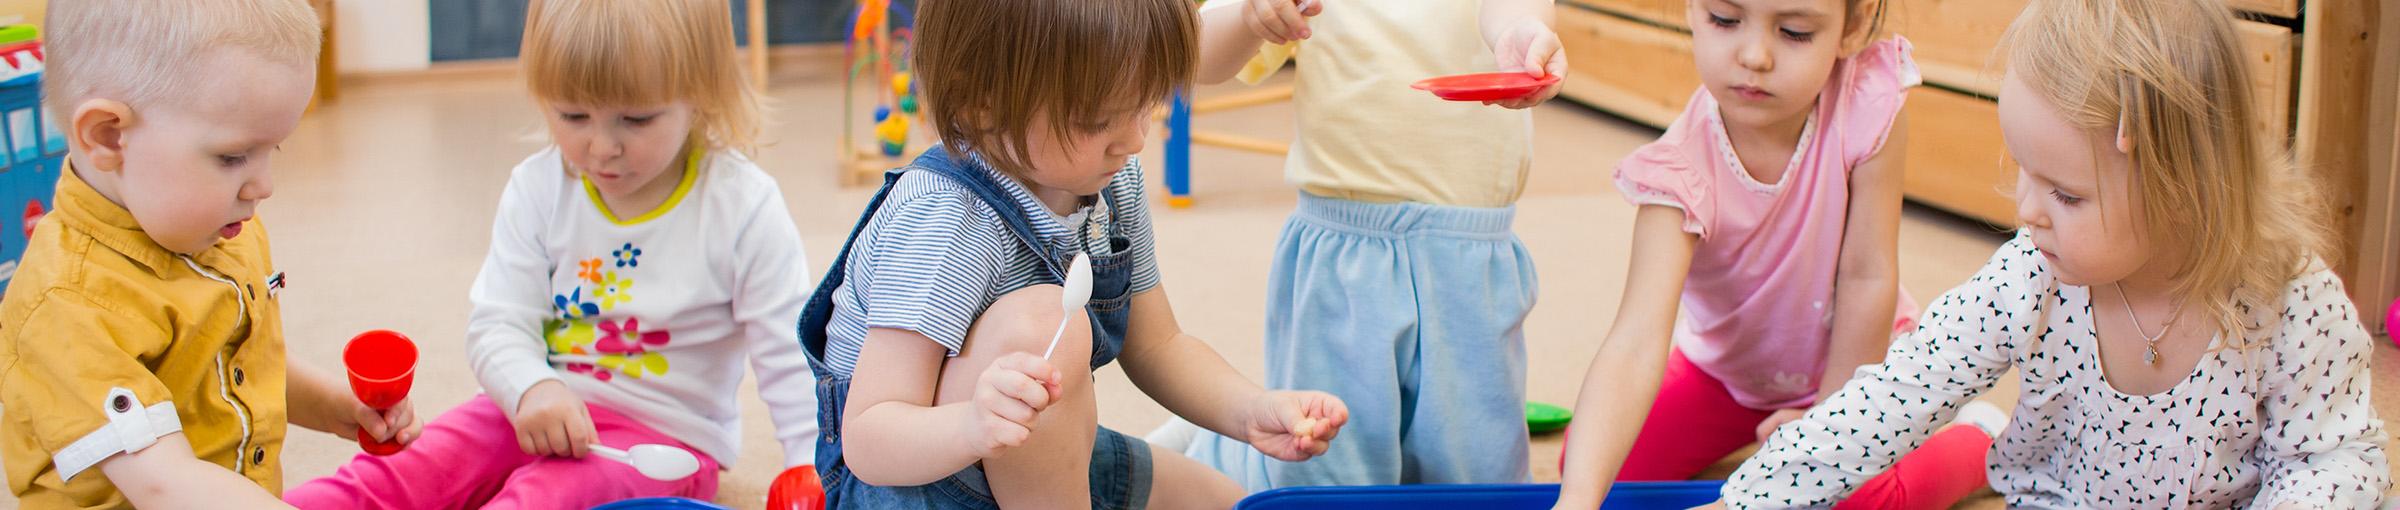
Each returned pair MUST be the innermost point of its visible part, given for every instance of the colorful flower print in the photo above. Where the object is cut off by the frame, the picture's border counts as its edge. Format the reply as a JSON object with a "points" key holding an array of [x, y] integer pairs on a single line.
{"points": [[612, 290], [636, 365], [571, 306], [628, 256], [628, 338], [590, 271]]}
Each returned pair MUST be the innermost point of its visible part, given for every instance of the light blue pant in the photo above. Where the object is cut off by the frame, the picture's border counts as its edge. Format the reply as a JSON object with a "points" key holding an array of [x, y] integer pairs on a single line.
{"points": [[1414, 315]]}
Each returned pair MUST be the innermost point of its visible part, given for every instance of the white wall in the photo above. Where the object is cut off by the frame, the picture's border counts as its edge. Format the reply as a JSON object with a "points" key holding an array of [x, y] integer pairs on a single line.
{"points": [[383, 35]]}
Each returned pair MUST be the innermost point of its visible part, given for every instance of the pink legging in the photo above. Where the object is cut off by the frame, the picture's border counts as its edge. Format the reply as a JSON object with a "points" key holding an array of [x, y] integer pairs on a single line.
{"points": [[468, 458], [1695, 422]]}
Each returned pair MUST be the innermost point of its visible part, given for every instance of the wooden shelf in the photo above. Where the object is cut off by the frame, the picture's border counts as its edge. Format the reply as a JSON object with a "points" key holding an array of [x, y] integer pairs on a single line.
{"points": [[1956, 160], [1635, 70], [2313, 87], [1632, 59]]}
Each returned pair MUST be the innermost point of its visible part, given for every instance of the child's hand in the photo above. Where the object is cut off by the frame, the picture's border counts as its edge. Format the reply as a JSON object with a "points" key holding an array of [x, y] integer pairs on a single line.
{"points": [[1532, 48], [1009, 396], [1280, 21], [1294, 426], [399, 423], [1767, 428], [552, 421]]}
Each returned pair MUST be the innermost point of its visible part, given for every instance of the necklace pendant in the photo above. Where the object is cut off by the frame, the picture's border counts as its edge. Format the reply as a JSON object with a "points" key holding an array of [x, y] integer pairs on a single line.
{"points": [[2150, 355]]}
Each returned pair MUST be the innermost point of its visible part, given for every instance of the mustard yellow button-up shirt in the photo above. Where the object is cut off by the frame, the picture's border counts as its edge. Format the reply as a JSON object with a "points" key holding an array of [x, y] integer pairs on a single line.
{"points": [[108, 341]]}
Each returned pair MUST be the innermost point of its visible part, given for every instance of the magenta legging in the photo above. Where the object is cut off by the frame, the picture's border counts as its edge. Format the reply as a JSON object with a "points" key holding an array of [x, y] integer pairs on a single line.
{"points": [[1695, 422], [468, 458]]}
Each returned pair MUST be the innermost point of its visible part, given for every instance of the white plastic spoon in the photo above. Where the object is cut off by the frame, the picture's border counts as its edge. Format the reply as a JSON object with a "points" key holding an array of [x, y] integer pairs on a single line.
{"points": [[657, 461], [1077, 294]]}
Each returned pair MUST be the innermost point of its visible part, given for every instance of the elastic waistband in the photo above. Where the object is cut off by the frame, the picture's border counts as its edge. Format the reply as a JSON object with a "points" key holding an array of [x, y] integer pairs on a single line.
{"points": [[1405, 217]]}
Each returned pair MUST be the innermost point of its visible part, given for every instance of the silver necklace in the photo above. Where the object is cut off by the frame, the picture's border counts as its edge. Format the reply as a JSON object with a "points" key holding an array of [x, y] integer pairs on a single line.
{"points": [[2149, 355]]}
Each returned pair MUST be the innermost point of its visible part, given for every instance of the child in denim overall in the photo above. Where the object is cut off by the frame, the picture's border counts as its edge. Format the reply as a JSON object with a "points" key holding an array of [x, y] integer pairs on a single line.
{"points": [[928, 333]]}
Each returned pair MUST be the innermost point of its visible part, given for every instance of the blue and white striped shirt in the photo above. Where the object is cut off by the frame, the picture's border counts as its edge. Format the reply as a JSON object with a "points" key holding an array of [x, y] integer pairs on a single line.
{"points": [[935, 256]]}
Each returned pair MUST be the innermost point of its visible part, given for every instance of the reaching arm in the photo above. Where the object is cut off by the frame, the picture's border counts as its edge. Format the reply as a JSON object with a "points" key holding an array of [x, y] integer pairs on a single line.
{"points": [[1520, 36], [1192, 381], [1623, 377], [1226, 43], [324, 403], [1969, 339]]}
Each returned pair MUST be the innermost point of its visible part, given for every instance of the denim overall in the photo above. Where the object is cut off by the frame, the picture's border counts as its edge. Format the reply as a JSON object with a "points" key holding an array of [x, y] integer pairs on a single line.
{"points": [[1114, 460]]}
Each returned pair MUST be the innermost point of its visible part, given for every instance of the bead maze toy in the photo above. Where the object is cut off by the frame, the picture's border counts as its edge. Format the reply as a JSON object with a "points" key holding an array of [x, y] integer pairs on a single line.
{"points": [[1181, 137], [877, 47]]}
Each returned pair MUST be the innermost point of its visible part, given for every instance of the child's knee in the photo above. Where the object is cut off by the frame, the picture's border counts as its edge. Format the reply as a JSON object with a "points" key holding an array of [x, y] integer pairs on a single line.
{"points": [[1024, 321], [1019, 322]]}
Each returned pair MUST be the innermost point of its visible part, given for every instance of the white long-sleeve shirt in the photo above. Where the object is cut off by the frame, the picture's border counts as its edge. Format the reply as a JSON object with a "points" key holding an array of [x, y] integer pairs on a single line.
{"points": [[654, 315], [2286, 421]]}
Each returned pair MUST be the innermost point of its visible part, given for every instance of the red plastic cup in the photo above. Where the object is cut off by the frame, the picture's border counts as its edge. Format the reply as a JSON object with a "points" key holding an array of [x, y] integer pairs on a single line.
{"points": [[796, 489], [382, 365], [1484, 86]]}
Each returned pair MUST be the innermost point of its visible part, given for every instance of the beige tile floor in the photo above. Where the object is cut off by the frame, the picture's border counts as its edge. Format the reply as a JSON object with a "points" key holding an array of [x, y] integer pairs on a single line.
{"points": [[384, 202]]}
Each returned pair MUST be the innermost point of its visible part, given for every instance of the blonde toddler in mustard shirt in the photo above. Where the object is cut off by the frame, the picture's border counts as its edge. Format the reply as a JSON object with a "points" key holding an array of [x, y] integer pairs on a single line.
{"points": [[141, 354]]}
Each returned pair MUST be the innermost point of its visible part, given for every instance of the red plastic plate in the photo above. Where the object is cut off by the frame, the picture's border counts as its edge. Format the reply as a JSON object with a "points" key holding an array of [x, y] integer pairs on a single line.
{"points": [[1484, 86]]}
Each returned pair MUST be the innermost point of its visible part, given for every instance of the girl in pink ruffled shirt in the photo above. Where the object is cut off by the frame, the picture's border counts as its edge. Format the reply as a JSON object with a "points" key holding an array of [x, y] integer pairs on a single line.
{"points": [[1765, 266]]}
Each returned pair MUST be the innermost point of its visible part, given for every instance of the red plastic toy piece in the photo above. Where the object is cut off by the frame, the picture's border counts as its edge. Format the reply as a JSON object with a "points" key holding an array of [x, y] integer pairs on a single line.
{"points": [[1484, 86], [796, 489], [382, 366]]}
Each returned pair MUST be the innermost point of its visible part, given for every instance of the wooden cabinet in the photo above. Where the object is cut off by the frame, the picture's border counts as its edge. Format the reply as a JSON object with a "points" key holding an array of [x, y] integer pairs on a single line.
{"points": [[1956, 159], [1633, 58], [2311, 75], [1637, 70]]}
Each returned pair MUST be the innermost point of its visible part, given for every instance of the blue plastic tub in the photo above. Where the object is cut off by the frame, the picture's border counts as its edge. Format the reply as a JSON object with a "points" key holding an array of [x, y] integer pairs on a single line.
{"points": [[1625, 496], [660, 504]]}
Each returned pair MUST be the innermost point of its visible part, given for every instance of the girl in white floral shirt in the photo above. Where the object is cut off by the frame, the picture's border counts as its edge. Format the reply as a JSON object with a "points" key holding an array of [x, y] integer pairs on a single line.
{"points": [[2180, 344]]}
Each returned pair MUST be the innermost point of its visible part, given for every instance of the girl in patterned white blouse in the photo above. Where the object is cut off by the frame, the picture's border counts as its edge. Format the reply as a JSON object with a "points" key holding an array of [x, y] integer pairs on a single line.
{"points": [[1767, 261], [2180, 343]]}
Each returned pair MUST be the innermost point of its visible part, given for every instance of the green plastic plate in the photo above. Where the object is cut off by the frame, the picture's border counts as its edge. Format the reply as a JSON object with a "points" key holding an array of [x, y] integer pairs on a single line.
{"points": [[1543, 418]]}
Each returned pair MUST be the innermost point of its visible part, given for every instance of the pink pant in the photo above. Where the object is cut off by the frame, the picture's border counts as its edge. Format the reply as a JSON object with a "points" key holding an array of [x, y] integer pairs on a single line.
{"points": [[468, 458], [1695, 423]]}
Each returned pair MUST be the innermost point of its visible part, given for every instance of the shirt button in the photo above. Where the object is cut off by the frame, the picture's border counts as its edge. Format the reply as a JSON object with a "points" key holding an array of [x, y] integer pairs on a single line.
{"points": [[237, 376], [122, 403], [258, 456]]}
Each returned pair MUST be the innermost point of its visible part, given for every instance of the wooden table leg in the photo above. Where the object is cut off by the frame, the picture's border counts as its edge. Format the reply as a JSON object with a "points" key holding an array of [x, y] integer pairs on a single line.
{"points": [[758, 44]]}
